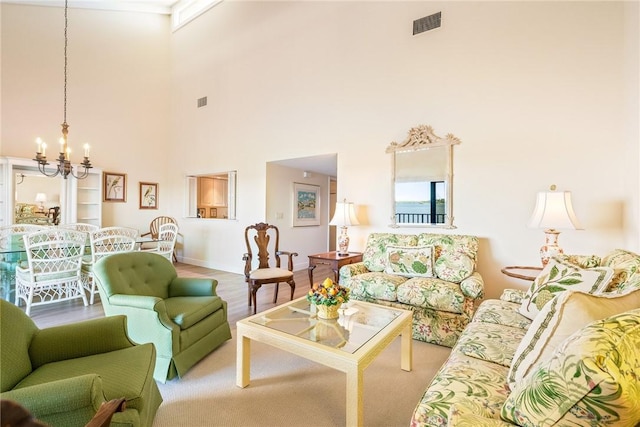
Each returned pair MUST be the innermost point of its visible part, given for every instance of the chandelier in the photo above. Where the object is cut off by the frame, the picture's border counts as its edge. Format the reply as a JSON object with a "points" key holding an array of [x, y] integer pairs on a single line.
{"points": [[64, 167]]}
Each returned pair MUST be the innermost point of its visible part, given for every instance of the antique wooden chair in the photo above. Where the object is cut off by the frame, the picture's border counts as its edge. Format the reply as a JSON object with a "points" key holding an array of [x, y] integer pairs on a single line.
{"points": [[262, 240]]}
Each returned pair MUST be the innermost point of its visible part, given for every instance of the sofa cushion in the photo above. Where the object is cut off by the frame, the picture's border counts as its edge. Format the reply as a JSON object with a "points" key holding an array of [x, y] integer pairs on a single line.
{"points": [[454, 254], [591, 379], [375, 286], [626, 266], [502, 313], [375, 256], [476, 384], [558, 276], [410, 261], [431, 292], [490, 342], [187, 311], [582, 261], [567, 313]]}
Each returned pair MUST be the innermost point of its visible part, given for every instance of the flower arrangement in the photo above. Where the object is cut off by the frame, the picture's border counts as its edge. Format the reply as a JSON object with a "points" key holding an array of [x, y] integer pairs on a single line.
{"points": [[328, 293]]}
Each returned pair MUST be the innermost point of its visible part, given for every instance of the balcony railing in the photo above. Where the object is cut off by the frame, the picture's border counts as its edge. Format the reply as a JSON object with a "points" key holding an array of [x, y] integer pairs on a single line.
{"points": [[419, 218]]}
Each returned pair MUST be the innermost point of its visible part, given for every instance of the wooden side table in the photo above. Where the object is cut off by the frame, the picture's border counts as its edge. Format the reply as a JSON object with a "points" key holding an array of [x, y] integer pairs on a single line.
{"points": [[524, 273], [332, 259]]}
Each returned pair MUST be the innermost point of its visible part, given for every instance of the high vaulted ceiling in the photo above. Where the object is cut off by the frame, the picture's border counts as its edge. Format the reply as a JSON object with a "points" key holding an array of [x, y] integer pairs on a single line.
{"points": [[151, 6]]}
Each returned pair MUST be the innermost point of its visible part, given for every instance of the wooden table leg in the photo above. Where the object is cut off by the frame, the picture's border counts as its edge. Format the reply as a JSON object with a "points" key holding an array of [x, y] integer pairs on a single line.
{"points": [[243, 361], [310, 271], [355, 397]]}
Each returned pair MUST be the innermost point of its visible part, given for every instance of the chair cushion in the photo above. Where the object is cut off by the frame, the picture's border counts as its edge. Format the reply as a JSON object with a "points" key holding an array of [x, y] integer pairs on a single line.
{"points": [[16, 330], [187, 311], [124, 372], [431, 292], [558, 276], [591, 379], [270, 273], [454, 254]]}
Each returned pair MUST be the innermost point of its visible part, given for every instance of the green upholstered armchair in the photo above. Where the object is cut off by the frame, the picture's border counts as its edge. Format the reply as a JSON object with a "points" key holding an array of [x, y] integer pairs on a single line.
{"points": [[183, 317], [62, 375]]}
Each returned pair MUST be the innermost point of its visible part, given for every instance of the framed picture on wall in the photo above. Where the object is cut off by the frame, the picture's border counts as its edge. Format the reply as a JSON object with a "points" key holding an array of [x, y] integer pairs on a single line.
{"points": [[201, 213], [148, 195], [115, 187], [213, 212], [306, 205]]}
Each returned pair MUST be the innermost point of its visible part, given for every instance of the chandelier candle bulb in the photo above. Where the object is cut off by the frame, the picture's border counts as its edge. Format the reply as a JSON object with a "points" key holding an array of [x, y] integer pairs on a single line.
{"points": [[39, 142], [86, 150], [44, 148]]}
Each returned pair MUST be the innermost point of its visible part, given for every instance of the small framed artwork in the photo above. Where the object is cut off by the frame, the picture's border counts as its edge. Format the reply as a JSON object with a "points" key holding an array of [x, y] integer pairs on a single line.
{"points": [[306, 205], [201, 213], [213, 212], [115, 187], [148, 195]]}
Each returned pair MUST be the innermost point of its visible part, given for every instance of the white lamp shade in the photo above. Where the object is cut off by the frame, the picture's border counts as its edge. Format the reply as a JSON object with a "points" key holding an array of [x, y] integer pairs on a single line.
{"points": [[41, 197], [344, 215], [554, 211]]}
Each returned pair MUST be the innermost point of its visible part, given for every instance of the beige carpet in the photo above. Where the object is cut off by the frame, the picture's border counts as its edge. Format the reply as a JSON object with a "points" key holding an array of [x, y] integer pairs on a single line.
{"points": [[287, 390]]}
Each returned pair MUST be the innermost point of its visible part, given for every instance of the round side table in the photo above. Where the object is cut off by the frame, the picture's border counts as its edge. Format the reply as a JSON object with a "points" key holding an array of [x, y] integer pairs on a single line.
{"points": [[524, 273]]}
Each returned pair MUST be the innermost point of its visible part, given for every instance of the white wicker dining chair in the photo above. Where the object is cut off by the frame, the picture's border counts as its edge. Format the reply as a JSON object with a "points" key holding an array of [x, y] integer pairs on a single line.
{"points": [[10, 260], [105, 241], [54, 258], [167, 236]]}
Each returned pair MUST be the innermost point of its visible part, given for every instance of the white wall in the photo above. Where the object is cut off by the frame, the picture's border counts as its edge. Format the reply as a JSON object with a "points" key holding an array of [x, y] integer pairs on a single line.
{"points": [[539, 93], [118, 94]]}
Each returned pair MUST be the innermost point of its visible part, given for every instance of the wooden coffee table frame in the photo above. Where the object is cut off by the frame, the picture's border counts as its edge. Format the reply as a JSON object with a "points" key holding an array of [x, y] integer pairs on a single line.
{"points": [[353, 364]]}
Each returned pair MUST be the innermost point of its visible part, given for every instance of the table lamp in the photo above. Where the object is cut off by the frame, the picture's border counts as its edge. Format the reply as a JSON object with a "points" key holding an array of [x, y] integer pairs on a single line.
{"points": [[41, 198], [553, 211], [343, 217]]}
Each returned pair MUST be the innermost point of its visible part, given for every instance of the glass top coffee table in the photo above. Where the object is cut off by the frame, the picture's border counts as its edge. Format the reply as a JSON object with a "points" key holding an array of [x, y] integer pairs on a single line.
{"points": [[348, 344]]}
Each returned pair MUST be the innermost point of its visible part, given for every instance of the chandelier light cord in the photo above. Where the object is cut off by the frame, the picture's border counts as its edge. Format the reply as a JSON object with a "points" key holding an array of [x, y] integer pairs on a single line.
{"points": [[63, 167], [66, 42]]}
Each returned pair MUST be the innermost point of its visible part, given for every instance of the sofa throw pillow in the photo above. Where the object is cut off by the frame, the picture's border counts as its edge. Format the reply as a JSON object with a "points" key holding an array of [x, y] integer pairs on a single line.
{"points": [[375, 255], [567, 313], [410, 261], [558, 276], [582, 261], [590, 379], [454, 267], [626, 267]]}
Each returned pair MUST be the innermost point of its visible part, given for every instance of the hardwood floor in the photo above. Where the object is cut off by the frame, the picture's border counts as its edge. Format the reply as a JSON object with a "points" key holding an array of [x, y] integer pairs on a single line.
{"points": [[231, 287]]}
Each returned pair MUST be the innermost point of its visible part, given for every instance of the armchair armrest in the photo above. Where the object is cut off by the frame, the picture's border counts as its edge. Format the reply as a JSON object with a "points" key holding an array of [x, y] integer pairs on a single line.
{"points": [[135, 301], [79, 340], [513, 295], [290, 255], [192, 287], [350, 270], [81, 393], [460, 414], [473, 286]]}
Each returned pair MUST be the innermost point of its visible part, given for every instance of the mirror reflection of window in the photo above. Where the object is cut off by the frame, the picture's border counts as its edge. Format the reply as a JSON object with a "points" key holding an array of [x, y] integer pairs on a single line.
{"points": [[422, 179], [211, 196]]}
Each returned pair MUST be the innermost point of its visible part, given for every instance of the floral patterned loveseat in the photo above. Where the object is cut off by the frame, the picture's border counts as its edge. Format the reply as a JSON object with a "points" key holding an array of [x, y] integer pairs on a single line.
{"points": [[574, 363], [433, 275]]}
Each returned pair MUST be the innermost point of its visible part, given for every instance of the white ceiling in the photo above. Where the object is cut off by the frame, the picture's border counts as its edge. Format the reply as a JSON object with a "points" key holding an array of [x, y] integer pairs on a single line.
{"points": [[326, 164], [150, 6]]}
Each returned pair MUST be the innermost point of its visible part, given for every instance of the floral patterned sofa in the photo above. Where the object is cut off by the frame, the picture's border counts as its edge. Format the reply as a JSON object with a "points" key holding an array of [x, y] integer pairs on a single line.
{"points": [[432, 275], [573, 361]]}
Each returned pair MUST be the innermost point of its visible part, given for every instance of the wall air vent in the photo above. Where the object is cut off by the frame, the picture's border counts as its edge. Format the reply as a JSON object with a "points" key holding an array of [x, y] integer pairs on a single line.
{"points": [[202, 101], [427, 23]]}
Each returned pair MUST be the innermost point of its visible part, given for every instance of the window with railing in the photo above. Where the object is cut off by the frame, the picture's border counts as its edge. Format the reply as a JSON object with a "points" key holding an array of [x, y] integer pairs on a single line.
{"points": [[420, 202]]}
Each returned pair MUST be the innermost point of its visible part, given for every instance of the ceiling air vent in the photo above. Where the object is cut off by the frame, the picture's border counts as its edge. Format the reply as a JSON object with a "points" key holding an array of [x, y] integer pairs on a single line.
{"points": [[427, 23], [202, 101]]}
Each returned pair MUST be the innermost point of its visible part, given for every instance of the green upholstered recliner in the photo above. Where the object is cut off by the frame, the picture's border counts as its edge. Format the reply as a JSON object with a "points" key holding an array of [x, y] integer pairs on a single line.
{"points": [[63, 374], [183, 317]]}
